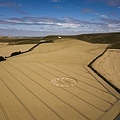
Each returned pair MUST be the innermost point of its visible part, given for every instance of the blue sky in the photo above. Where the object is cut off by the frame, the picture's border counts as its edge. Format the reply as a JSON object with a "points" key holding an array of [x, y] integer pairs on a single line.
{"points": [[58, 17]]}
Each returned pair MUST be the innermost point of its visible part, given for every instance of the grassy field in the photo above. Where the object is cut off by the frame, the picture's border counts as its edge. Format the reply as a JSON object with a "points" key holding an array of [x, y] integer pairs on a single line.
{"points": [[102, 38], [20, 41], [115, 46]]}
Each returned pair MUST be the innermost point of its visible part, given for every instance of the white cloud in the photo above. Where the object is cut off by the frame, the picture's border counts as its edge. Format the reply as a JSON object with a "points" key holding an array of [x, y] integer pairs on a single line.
{"points": [[55, 0], [13, 21], [107, 2], [59, 26], [103, 16], [70, 25], [111, 25]]}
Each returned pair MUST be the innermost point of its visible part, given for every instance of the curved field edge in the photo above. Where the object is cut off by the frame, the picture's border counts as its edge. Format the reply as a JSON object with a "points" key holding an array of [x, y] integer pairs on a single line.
{"points": [[99, 74]]}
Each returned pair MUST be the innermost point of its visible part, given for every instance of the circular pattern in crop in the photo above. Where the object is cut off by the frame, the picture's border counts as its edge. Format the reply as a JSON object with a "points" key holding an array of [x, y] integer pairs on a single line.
{"points": [[63, 82]]}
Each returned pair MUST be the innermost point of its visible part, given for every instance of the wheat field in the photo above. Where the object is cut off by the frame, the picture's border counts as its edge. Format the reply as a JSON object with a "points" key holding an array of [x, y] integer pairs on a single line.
{"points": [[109, 66], [27, 91]]}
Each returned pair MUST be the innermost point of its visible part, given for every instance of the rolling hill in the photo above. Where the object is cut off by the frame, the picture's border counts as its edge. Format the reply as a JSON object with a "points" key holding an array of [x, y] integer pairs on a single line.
{"points": [[101, 38], [104, 38]]}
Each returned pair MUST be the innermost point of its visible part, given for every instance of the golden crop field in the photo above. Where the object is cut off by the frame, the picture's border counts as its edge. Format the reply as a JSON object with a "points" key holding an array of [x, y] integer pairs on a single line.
{"points": [[53, 82]]}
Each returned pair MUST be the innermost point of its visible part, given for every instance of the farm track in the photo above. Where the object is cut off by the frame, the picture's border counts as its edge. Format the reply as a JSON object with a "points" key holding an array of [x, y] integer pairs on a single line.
{"points": [[3, 112]]}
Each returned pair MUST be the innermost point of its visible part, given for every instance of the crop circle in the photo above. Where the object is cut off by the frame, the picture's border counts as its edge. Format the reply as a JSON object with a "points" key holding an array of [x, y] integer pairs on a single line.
{"points": [[63, 82]]}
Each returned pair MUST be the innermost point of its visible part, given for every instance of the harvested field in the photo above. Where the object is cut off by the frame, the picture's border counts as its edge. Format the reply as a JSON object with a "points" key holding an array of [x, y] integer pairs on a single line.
{"points": [[27, 91], [108, 65], [2, 44]]}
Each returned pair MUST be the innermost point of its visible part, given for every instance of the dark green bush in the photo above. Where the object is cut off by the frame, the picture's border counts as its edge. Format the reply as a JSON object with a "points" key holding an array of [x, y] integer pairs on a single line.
{"points": [[16, 53], [2, 58]]}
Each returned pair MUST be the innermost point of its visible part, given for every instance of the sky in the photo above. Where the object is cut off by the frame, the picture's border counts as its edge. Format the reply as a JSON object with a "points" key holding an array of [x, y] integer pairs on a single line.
{"points": [[58, 17]]}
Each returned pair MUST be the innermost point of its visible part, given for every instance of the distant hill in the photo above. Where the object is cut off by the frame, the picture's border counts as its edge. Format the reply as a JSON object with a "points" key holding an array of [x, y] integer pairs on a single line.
{"points": [[102, 38], [115, 46], [20, 40]]}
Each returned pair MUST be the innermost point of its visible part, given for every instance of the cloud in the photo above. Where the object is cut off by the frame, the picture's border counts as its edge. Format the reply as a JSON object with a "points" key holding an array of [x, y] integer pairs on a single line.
{"points": [[55, 1], [111, 24], [110, 20], [113, 2], [73, 6], [103, 16], [113, 13], [20, 11], [67, 22], [50, 25], [87, 10], [107, 2], [59, 7]]}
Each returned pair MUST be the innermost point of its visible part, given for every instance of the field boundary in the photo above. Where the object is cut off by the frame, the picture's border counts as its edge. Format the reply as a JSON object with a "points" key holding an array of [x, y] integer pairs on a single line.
{"points": [[101, 76], [31, 49]]}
